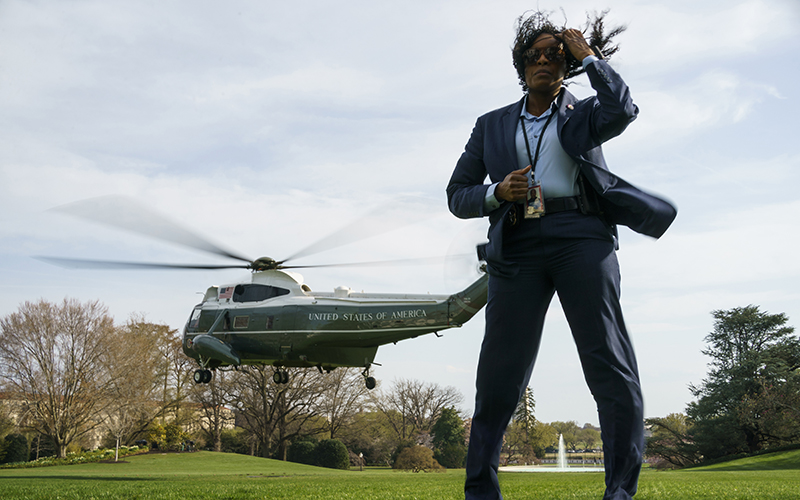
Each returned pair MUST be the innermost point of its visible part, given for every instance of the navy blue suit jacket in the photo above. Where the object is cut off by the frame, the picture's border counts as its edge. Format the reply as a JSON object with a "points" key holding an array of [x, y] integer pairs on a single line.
{"points": [[583, 126]]}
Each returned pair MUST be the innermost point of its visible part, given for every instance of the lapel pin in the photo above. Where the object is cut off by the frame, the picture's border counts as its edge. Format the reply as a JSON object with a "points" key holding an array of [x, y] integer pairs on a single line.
{"points": [[570, 107]]}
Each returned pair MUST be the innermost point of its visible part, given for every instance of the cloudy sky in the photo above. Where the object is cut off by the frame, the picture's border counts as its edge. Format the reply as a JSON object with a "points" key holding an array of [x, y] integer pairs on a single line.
{"points": [[266, 126]]}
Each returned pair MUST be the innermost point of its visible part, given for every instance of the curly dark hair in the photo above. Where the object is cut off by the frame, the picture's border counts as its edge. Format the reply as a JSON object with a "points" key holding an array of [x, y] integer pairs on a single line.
{"points": [[532, 24]]}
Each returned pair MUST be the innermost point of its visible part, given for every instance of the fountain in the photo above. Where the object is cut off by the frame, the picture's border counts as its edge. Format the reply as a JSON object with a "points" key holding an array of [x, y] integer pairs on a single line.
{"points": [[561, 464], [562, 453]]}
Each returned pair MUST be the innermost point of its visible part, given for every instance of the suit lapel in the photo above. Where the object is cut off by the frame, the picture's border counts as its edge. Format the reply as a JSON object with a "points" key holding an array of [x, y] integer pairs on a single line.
{"points": [[599, 177], [509, 131], [566, 103]]}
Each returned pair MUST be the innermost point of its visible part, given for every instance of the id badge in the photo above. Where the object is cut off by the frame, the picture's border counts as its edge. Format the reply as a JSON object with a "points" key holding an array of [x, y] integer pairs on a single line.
{"points": [[534, 202]]}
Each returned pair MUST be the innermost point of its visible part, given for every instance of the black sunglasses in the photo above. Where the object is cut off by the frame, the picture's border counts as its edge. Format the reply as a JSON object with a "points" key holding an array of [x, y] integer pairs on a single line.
{"points": [[553, 54]]}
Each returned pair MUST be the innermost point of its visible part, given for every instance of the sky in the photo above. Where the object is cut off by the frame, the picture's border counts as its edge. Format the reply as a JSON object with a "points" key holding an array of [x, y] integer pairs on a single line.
{"points": [[265, 126]]}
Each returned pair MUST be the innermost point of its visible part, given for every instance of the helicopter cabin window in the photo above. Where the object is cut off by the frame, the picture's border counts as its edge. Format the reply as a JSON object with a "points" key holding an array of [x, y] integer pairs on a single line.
{"points": [[240, 322], [256, 293]]}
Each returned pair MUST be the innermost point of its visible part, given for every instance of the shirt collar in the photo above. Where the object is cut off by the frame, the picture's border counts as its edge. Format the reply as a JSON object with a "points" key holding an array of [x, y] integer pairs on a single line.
{"points": [[553, 109]]}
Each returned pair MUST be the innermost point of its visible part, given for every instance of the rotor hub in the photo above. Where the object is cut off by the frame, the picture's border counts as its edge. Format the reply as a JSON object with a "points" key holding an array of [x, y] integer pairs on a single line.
{"points": [[264, 264]]}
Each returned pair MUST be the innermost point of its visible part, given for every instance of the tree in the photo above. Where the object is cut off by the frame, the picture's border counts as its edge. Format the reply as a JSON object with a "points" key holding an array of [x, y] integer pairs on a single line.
{"points": [[7, 423], [670, 442], [449, 439], [136, 385], [277, 414], [173, 369], [754, 356], [213, 399], [15, 449], [51, 357], [527, 437], [369, 433], [589, 436], [413, 406], [343, 395], [774, 410], [571, 432]]}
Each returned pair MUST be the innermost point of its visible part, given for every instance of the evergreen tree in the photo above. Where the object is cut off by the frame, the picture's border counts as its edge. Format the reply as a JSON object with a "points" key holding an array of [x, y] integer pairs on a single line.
{"points": [[449, 437], [15, 449], [754, 357], [524, 414]]}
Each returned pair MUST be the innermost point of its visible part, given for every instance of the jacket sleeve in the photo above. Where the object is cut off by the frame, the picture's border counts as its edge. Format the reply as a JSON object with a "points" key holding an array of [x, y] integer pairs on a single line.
{"points": [[613, 109], [466, 191]]}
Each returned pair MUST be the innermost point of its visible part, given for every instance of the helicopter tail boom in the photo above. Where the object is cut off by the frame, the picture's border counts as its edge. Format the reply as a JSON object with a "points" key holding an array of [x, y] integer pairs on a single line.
{"points": [[465, 304]]}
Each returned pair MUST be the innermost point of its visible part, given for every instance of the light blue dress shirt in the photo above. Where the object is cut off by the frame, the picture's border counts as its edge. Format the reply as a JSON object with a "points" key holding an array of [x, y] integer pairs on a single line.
{"points": [[555, 170]]}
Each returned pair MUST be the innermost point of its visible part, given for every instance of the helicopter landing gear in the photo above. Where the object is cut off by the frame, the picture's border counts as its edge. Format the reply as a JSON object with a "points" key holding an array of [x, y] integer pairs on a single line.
{"points": [[280, 377], [202, 376], [369, 381]]}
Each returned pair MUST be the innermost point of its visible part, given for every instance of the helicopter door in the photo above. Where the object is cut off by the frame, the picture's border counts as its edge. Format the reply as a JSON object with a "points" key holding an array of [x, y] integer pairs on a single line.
{"points": [[285, 322], [285, 319]]}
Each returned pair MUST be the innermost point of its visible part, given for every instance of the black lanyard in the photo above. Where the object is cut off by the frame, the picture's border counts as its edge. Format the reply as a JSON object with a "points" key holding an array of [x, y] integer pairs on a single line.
{"points": [[538, 144]]}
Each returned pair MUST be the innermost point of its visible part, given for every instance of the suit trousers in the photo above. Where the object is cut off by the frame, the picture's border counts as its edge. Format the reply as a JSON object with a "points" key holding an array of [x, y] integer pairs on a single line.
{"points": [[573, 255]]}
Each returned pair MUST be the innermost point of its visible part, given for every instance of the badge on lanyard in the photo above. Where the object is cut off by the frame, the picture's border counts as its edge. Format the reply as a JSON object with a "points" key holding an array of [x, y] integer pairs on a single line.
{"points": [[534, 202]]}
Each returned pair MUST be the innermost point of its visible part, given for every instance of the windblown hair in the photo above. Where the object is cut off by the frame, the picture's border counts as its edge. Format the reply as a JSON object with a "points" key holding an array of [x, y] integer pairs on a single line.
{"points": [[532, 24]]}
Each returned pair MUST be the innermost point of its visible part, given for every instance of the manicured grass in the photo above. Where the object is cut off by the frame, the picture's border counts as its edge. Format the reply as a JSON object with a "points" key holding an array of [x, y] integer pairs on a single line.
{"points": [[226, 476]]}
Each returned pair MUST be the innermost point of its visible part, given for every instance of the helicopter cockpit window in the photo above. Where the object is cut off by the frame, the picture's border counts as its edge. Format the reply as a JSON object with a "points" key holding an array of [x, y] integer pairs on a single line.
{"points": [[256, 293], [195, 318]]}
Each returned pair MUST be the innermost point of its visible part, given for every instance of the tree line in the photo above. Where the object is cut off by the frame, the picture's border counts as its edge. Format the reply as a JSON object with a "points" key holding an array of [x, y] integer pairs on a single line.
{"points": [[748, 403]]}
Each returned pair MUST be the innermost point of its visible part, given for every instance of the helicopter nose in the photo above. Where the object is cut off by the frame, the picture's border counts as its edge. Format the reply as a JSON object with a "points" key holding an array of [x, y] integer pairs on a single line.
{"points": [[214, 348]]}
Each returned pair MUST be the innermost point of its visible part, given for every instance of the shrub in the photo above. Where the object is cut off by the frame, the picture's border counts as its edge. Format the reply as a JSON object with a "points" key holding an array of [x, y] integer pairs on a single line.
{"points": [[417, 459], [333, 454], [168, 437], [74, 458], [235, 441], [302, 452], [451, 455], [399, 449]]}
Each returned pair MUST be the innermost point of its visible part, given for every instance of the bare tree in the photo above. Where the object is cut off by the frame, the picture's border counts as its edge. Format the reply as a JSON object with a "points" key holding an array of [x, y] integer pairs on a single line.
{"points": [[7, 423], [213, 399], [133, 358], [277, 413], [343, 396], [173, 369], [51, 357], [413, 406]]}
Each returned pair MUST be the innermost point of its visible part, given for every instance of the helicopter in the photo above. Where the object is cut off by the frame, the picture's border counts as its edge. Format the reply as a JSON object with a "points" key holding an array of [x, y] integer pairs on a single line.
{"points": [[275, 319]]}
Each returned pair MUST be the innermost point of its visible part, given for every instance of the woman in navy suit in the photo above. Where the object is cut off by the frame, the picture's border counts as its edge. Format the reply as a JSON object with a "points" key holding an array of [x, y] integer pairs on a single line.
{"points": [[547, 146]]}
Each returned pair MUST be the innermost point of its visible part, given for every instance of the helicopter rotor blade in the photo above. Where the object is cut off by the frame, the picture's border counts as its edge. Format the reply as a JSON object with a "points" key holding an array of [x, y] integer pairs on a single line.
{"points": [[395, 262], [394, 214], [113, 264], [462, 268], [124, 213]]}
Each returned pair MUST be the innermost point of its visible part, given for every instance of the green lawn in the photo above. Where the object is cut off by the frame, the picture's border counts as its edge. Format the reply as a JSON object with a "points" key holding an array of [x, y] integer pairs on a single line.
{"points": [[226, 476]]}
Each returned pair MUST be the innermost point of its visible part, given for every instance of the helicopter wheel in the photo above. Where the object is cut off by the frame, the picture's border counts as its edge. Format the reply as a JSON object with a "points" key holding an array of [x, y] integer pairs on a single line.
{"points": [[370, 381], [207, 376], [280, 377], [199, 376]]}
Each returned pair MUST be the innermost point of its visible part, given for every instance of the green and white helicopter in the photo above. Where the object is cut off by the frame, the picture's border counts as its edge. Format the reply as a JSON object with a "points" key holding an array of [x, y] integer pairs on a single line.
{"points": [[275, 319]]}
